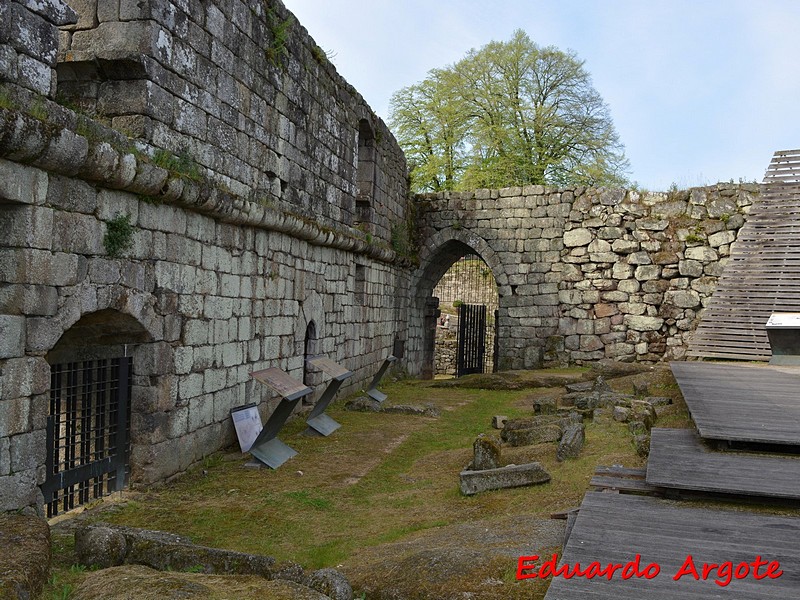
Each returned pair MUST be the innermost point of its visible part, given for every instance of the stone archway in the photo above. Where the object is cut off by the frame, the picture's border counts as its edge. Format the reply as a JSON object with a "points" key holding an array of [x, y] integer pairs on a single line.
{"points": [[309, 336], [438, 253], [99, 383]]}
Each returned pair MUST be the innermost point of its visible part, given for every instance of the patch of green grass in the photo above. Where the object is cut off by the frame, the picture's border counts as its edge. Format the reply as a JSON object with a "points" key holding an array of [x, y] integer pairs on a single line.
{"points": [[119, 235], [179, 165], [57, 589], [38, 110], [304, 498], [380, 478], [5, 100], [65, 572]]}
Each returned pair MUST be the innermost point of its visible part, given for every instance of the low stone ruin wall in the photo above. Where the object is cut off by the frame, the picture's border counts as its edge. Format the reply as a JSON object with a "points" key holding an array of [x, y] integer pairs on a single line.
{"points": [[586, 274]]}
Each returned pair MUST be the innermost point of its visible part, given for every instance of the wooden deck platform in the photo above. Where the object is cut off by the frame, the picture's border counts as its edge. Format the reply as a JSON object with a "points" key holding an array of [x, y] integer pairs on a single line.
{"points": [[762, 275], [621, 479], [742, 403], [613, 528], [679, 459]]}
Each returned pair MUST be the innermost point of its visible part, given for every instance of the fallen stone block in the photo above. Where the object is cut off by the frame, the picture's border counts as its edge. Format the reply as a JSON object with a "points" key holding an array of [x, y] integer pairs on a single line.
{"points": [[429, 410], [644, 412], [474, 482], [642, 443], [601, 386], [587, 401], [100, 547], [363, 404], [169, 552], [486, 453], [545, 406], [499, 421], [530, 422], [331, 583], [637, 428], [571, 442], [162, 551], [535, 430], [534, 435], [656, 401], [580, 386], [621, 414]]}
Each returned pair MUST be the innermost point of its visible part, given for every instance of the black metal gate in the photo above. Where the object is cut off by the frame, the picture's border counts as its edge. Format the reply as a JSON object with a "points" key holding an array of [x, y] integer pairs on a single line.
{"points": [[471, 343], [88, 431]]}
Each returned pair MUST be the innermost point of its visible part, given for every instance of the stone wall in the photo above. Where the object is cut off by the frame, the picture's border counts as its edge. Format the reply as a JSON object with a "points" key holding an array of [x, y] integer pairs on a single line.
{"points": [[241, 89], [259, 194], [585, 274], [446, 351], [206, 187]]}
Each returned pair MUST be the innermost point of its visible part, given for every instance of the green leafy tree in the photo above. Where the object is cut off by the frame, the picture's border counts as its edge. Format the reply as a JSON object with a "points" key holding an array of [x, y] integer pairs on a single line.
{"points": [[510, 113], [431, 127]]}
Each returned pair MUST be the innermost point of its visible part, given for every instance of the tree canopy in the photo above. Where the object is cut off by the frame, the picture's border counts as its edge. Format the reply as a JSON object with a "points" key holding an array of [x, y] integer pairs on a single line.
{"points": [[511, 113]]}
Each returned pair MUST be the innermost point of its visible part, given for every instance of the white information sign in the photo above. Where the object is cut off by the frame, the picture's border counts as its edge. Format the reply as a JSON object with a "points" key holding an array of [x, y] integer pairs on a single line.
{"points": [[784, 320], [247, 423]]}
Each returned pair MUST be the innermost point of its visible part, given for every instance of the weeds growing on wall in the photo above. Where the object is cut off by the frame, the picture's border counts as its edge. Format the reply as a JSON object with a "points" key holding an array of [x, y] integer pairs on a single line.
{"points": [[403, 241], [180, 164], [279, 29], [119, 235]]}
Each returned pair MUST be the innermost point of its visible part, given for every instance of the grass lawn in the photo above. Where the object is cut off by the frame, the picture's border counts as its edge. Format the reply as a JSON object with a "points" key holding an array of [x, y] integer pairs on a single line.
{"points": [[378, 479]]}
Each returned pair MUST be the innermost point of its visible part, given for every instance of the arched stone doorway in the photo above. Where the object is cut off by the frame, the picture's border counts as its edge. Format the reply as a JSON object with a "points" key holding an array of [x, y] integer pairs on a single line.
{"points": [[98, 371], [468, 305], [440, 252]]}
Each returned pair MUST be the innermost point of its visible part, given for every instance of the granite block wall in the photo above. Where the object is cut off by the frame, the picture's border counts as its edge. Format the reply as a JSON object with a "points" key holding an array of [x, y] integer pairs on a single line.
{"points": [[188, 191]]}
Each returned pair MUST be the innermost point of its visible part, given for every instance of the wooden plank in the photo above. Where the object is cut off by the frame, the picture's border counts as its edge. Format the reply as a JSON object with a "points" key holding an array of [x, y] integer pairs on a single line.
{"points": [[762, 274], [710, 352], [679, 459], [623, 484], [614, 528], [746, 403], [618, 471]]}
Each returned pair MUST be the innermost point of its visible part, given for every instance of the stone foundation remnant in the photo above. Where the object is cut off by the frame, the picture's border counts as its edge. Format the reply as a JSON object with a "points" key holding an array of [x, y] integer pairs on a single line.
{"points": [[104, 546], [484, 473]]}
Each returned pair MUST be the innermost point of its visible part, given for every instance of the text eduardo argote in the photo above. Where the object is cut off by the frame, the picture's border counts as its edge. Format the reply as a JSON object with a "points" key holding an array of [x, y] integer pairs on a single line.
{"points": [[722, 574]]}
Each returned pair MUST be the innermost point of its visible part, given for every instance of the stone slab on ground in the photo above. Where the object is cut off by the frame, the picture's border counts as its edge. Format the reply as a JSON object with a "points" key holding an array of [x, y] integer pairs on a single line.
{"points": [[571, 442], [363, 404], [163, 551], [511, 476], [486, 453], [427, 410], [143, 583], [532, 435], [109, 546]]}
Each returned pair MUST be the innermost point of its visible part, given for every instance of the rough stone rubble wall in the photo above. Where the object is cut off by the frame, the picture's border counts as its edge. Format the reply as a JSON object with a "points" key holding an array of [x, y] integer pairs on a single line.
{"points": [[228, 265], [587, 274]]}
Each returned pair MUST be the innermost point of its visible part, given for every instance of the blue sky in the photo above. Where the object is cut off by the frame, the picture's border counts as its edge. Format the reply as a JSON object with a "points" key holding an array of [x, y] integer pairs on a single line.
{"points": [[700, 90]]}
